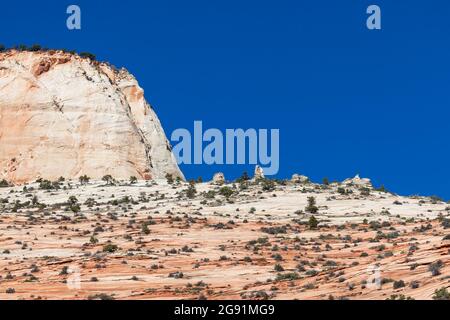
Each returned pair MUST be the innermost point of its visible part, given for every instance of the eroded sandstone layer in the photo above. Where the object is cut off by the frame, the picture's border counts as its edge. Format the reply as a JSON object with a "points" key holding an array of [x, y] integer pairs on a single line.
{"points": [[247, 240], [63, 115]]}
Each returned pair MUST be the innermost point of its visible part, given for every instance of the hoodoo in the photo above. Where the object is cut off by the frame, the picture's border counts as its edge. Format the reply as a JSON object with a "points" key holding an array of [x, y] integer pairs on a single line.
{"points": [[64, 115]]}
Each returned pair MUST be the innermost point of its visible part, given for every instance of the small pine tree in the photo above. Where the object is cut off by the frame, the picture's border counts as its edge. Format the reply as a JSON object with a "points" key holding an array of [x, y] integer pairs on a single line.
{"points": [[84, 179], [108, 179], [313, 222], [311, 207], [191, 191], [441, 294]]}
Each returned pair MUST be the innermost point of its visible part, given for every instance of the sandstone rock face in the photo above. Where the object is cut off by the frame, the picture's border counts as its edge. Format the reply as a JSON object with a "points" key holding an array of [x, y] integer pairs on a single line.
{"points": [[63, 115]]}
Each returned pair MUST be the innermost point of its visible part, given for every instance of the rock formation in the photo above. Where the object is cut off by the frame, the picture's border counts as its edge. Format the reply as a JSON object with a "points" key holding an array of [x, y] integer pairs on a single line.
{"points": [[63, 115], [358, 181], [259, 173], [297, 178], [218, 178]]}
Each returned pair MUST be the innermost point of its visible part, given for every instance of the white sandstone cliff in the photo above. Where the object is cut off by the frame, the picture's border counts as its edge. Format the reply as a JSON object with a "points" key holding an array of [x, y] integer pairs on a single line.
{"points": [[63, 115]]}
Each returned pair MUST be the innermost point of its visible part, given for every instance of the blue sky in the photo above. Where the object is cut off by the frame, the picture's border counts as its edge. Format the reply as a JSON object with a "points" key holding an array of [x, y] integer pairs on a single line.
{"points": [[346, 100]]}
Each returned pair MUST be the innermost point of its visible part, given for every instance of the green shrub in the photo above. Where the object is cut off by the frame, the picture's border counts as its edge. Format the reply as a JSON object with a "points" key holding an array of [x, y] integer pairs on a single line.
{"points": [[288, 276], [84, 179], [4, 183], [88, 55], [313, 222], [110, 248], [226, 192], [311, 207], [441, 294]]}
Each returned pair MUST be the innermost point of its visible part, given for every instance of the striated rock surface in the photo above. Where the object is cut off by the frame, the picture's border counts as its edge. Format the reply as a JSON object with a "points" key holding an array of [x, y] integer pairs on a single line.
{"points": [[63, 115]]}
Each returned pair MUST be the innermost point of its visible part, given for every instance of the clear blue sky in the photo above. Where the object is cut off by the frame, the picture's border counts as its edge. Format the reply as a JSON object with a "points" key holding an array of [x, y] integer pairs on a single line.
{"points": [[346, 100]]}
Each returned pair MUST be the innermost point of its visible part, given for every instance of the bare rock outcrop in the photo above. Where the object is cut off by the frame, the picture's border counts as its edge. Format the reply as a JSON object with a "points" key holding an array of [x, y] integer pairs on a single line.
{"points": [[218, 178], [297, 178], [259, 173], [63, 115], [358, 181]]}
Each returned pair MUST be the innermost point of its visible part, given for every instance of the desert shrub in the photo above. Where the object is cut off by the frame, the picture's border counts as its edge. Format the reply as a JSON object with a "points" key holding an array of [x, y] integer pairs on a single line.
{"points": [[110, 248], [311, 207], [277, 257], [145, 229], [133, 180], [4, 184], [35, 47], [274, 230], [191, 191], [278, 267], [311, 273], [243, 178], [399, 284], [84, 179], [435, 268], [64, 271], [176, 275], [21, 47], [268, 185], [48, 185], [88, 55], [441, 294], [108, 179], [381, 189], [313, 222], [226, 192], [169, 178], [445, 223], [100, 296], [287, 276]]}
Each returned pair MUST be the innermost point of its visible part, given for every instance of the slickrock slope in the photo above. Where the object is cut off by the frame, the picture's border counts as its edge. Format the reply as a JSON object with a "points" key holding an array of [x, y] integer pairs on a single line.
{"points": [[63, 115], [250, 240]]}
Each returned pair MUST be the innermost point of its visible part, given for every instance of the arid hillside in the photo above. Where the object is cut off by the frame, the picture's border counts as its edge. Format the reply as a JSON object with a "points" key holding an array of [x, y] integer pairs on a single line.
{"points": [[245, 240]]}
